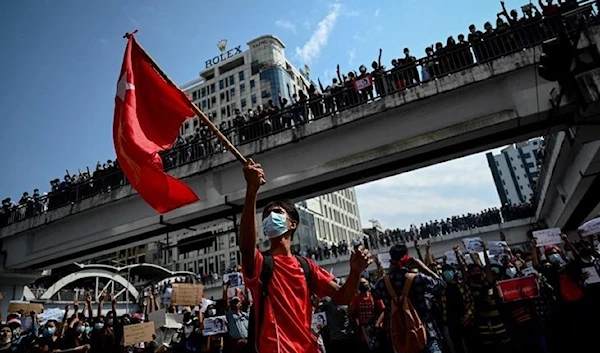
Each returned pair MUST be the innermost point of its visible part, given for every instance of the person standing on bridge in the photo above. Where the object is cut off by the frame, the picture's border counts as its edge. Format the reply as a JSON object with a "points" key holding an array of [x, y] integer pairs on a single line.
{"points": [[281, 283]]}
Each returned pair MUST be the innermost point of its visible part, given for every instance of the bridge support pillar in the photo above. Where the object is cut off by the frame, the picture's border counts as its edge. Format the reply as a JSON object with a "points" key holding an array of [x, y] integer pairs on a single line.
{"points": [[12, 284]]}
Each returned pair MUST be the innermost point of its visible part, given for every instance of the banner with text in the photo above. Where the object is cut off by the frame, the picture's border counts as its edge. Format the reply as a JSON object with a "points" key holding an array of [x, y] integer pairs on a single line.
{"points": [[519, 288]]}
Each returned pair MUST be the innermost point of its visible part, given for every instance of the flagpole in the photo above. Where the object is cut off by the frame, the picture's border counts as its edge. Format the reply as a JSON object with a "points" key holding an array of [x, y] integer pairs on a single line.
{"points": [[222, 138]]}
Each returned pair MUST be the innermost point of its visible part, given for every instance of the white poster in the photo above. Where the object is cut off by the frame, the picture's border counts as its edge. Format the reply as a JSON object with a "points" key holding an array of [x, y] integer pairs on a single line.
{"points": [[593, 276], [497, 247], [473, 244], [319, 320], [215, 326], [547, 237], [51, 314], [236, 285], [591, 227], [451, 258], [384, 260]]}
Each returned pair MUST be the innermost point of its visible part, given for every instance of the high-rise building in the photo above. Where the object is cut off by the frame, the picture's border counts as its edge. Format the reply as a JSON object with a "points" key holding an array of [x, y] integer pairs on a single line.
{"points": [[515, 171], [237, 79]]}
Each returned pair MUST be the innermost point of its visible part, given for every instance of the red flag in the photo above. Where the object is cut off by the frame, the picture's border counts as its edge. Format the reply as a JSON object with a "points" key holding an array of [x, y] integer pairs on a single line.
{"points": [[149, 112]]}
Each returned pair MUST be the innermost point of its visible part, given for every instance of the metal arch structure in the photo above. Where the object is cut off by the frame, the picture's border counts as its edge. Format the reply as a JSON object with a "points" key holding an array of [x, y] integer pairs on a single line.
{"points": [[92, 273]]}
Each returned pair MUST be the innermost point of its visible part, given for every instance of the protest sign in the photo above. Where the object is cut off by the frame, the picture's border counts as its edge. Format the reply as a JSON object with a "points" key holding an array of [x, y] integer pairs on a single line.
{"points": [[164, 319], [384, 260], [236, 285], [497, 247], [592, 274], [519, 288], [473, 244], [51, 314], [214, 325], [451, 258], [591, 227], [138, 333], [547, 237], [319, 320], [27, 307], [186, 294]]}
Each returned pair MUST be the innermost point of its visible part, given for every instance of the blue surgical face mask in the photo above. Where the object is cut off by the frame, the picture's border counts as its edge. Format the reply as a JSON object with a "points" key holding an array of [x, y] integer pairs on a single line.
{"points": [[80, 329], [511, 272], [88, 329], [49, 331], [448, 275], [275, 225], [554, 259], [99, 326]]}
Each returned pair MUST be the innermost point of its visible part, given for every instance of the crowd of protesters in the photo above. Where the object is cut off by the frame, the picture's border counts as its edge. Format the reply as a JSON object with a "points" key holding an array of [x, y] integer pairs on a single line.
{"points": [[511, 34], [464, 312]]}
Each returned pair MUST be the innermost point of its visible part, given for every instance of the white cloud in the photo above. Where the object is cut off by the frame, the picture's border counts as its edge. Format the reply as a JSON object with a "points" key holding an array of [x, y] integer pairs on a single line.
{"points": [[287, 25], [377, 13], [351, 56], [317, 41], [306, 25], [456, 187]]}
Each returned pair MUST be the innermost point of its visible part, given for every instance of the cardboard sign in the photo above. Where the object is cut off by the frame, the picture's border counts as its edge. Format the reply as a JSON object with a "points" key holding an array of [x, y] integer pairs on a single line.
{"points": [[187, 294], [138, 333], [16, 306], [547, 237], [519, 288]]}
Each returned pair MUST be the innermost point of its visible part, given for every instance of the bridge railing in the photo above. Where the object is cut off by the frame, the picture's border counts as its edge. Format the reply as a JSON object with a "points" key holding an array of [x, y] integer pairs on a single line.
{"points": [[440, 63]]}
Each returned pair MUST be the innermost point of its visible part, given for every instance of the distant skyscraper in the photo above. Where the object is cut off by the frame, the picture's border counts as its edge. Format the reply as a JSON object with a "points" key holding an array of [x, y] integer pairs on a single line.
{"points": [[515, 171]]}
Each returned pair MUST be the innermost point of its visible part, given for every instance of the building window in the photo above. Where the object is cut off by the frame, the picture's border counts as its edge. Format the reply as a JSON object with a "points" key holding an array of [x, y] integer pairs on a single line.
{"points": [[242, 88], [213, 100], [223, 112], [231, 80], [241, 75], [243, 102], [204, 104], [253, 99], [203, 92], [212, 88], [252, 84], [264, 94], [221, 84], [232, 92], [526, 155], [222, 97]]}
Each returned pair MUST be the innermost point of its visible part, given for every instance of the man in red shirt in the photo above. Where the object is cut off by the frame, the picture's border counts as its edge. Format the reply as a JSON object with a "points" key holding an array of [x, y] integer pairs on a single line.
{"points": [[287, 313]]}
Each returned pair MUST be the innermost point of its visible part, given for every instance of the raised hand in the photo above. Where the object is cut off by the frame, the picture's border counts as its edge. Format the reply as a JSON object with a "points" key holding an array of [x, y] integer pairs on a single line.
{"points": [[254, 174], [360, 260]]}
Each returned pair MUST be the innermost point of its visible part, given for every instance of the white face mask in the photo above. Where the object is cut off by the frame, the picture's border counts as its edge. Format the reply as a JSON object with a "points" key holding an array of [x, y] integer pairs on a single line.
{"points": [[212, 312]]}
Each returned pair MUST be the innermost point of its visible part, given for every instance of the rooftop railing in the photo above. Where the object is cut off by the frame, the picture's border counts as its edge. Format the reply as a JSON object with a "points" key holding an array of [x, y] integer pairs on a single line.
{"points": [[441, 63]]}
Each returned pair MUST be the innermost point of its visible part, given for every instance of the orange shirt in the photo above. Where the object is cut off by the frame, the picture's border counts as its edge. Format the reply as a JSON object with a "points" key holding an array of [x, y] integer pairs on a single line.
{"points": [[288, 313]]}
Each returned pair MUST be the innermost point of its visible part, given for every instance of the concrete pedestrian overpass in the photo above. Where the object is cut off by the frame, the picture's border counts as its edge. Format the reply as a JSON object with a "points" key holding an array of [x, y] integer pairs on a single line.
{"points": [[476, 109]]}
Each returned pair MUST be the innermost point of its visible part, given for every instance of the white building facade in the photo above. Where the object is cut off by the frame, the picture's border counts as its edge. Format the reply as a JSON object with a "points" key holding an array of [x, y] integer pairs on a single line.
{"points": [[515, 171], [238, 79]]}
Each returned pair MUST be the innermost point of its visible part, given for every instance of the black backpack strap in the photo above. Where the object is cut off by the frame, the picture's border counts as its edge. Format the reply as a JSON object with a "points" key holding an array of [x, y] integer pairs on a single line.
{"points": [[265, 277], [307, 272]]}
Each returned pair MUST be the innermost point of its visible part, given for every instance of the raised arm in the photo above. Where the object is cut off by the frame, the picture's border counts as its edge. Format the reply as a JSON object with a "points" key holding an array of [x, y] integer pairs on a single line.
{"points": [[254, 175]]}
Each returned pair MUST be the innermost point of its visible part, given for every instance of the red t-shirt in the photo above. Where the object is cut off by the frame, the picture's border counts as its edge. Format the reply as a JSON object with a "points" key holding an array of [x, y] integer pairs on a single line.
{"points": [[288, 309], [366, 308]]}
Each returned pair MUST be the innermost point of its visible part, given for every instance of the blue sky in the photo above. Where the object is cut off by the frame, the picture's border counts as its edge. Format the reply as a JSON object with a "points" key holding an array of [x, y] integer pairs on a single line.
{"points": [[61, 60]]}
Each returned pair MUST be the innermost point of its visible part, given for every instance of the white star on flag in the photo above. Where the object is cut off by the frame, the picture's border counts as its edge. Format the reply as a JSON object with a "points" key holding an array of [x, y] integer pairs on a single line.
{"points": [[123, 86]]}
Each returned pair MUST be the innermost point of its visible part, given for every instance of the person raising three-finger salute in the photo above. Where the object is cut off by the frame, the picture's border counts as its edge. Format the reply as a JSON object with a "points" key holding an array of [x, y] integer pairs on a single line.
{"points": [[282, 283]]}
